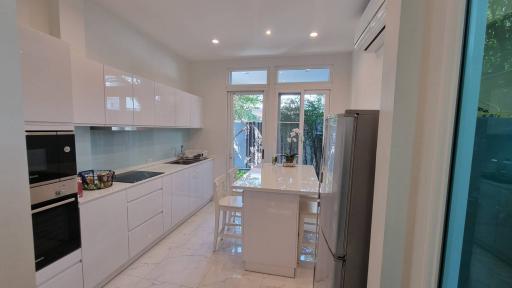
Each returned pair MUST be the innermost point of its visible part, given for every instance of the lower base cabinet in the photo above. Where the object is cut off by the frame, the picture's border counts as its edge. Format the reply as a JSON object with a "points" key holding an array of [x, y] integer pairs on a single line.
{"points": [[118, 227], [71, 277], [145, 234], [180, 196], [104, 228]]}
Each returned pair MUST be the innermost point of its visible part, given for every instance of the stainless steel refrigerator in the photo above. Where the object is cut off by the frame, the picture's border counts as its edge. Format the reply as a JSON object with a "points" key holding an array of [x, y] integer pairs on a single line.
{"points": [[346, 199]]}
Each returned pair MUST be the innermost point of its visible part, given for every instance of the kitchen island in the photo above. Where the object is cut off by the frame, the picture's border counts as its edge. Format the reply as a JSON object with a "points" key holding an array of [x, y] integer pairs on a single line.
{"points": [[271, 196]]}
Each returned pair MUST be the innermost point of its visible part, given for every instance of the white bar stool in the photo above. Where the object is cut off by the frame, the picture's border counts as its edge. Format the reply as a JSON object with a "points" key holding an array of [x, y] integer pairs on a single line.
{"points": [[229, 206], [232, 179]]}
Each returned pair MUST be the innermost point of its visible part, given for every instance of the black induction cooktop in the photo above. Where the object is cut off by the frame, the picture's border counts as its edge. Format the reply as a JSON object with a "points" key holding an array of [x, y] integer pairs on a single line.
{"points": [[135, 176]]}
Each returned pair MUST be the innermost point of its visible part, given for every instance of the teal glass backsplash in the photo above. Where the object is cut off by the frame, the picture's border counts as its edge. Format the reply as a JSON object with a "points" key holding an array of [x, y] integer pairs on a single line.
{"points": [[106, 149]]}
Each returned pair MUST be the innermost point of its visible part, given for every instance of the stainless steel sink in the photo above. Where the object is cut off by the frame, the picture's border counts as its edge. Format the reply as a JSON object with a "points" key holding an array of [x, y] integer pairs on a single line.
{"points": [[186, 161]]}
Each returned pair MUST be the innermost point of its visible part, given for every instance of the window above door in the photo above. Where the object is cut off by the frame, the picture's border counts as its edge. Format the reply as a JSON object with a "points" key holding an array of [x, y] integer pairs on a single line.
{"points": [[248, 77], [304, 75]]}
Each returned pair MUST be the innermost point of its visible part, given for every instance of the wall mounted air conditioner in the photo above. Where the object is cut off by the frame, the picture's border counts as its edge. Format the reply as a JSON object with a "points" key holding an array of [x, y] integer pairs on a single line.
{"points": [[370, 32]]}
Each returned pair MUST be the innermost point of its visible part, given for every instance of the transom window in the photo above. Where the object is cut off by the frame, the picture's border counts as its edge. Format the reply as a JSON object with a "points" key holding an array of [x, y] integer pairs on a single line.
{"points": [[248, 77], [304, 75]]}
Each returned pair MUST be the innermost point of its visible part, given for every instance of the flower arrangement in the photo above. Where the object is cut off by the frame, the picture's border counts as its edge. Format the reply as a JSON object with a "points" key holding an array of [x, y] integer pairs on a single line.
{"points": [[294, 138]]}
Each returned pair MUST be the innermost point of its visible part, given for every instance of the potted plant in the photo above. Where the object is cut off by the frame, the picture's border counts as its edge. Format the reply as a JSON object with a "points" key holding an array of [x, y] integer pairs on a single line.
{"points": [[290, 156]]}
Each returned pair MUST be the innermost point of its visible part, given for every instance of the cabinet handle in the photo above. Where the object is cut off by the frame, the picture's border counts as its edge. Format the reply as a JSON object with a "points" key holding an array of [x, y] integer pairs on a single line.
{"points": [[52, 205]]}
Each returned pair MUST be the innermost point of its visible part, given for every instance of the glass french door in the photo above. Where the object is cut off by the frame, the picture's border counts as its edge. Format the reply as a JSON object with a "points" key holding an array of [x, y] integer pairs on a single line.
{"points": [[246, 126], [304, 110], [478, 245]]}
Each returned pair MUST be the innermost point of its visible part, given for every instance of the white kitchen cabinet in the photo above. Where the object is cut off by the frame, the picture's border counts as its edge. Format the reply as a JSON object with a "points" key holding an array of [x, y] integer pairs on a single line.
{"points": [[201, 179], [143, 189], [145, 234], [196, 112], [46, 78], [118, 96], [201, 185], [71, 277], [142, 209], [165, 105], [181, 198], [88, 91], [196, 187], [167, 202], [104, 230], [144, 101], [207, 181], [183, 105]]}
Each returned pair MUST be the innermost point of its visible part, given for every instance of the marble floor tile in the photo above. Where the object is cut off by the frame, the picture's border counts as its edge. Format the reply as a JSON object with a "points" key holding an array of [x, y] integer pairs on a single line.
{"points": [[184, 259]]}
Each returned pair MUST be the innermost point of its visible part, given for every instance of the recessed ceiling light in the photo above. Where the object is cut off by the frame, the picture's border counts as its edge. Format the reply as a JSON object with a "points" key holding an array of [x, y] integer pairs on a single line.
{"points": [[268, 32], [313, 34], [215, 41]]}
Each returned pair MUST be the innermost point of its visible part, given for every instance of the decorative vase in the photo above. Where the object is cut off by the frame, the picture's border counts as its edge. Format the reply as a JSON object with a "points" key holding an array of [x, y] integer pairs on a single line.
{"points": [[289, 161]]}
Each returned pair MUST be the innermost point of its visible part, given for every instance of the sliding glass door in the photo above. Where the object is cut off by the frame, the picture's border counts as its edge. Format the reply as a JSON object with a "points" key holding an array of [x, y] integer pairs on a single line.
{"points": [[478, 247]]}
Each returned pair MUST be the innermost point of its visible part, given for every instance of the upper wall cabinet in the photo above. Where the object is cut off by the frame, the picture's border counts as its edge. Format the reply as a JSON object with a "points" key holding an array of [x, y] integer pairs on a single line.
{"points": [[143, 101], [46, 78], [165, 105], [196, 112], [88, 91], [118, 96], [60, 87], [183, 107]]}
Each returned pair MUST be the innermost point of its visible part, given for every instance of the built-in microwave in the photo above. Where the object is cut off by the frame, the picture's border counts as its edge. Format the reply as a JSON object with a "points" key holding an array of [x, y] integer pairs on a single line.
{"points": [[51, 164]]}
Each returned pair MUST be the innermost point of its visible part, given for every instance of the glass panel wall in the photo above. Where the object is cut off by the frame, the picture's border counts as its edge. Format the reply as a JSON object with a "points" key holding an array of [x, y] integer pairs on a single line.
{"points": [[478, 248], [314, 108], [247, 125], [289, 119]]}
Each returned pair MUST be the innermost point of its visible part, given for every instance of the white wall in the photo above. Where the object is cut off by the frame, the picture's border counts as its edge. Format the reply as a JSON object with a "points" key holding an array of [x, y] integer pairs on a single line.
{"points": [[366, 79], [16, 246], [423, 41], [210, 82], [111, 40], [107, 38], [37, 14]]}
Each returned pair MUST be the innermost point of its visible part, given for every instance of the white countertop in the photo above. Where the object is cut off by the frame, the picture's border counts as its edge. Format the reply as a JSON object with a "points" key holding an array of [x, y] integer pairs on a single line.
{"points": [[159, 166], [299, 180]]}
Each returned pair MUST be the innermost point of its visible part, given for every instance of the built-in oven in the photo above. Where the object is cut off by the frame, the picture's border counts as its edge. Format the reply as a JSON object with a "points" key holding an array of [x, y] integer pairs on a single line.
{"points": [[53, 191], [56, 228]]}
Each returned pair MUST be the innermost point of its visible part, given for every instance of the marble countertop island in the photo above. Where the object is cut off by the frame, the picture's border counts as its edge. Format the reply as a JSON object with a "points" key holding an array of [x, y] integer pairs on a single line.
{"points": [[271, 197], [300, 180]]}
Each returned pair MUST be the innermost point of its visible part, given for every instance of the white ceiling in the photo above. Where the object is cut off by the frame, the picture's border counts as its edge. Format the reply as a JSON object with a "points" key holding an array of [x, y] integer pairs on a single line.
{"points": [[188, 26]]}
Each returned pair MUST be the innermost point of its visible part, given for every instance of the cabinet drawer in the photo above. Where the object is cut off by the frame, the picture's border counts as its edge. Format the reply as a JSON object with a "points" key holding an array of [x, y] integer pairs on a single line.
{"points": [[145, 234], [140, 210], [143, 189], [71, 277]]}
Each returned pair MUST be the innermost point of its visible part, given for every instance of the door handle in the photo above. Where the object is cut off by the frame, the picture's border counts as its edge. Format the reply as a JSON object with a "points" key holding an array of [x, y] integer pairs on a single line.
{"points": [[52, 205]]}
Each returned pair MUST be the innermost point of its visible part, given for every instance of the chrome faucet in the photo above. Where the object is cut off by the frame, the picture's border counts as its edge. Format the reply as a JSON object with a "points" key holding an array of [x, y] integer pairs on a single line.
{"points": [[182, 154]]}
